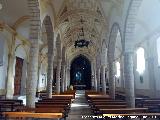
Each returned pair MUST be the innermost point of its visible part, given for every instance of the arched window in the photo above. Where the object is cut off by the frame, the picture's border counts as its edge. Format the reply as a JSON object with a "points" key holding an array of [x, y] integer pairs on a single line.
{"points": [[158, 50], [117, 69], [140, 61]]}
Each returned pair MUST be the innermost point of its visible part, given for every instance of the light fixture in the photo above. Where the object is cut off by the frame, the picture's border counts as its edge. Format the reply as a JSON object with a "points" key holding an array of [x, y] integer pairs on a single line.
{"points": [[81, 42]]}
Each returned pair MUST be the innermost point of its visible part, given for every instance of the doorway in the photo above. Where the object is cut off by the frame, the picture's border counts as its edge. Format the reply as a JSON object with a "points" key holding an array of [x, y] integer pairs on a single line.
{"points": [[81, 73], [18, 76]]}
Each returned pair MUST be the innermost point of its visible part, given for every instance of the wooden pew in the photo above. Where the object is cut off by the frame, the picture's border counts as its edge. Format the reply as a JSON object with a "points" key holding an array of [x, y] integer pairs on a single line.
{"points": [[51, 106], [72, 95], [10, 104], [19, 115], [45, 110], [109, 103], [109, 106], [12, 100]]}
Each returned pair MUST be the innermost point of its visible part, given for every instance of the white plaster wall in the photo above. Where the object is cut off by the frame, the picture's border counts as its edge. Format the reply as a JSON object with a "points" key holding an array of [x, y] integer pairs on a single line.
{"points": [[4, 55], [23, 29], [20, 52], [147, 21]]}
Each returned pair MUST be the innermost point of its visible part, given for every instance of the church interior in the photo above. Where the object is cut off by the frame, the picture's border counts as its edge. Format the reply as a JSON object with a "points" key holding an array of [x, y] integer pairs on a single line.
{"points": [[79, 59]]}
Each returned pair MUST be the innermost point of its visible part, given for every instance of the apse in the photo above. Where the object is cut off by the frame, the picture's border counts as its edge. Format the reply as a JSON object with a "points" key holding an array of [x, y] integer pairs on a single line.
{"points": [[81, 73]]}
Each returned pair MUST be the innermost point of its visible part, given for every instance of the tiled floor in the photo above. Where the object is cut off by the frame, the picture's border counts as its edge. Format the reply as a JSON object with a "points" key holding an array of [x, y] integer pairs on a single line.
{"points": [[80, 109]]}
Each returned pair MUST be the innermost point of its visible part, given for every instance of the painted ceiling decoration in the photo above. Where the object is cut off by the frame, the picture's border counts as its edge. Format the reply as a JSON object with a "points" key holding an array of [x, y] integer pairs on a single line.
{"points": [[81, 23], [69, 17]]}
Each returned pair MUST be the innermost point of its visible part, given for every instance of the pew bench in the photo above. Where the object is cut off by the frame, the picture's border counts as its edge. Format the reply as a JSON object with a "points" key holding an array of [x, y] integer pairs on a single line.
{"points": [[10, 105], [123, 110], [25, 115], [45, 110]]}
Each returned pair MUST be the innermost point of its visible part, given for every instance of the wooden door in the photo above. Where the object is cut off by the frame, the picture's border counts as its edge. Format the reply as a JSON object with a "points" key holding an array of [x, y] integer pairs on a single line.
{"points": [[18, 75]]}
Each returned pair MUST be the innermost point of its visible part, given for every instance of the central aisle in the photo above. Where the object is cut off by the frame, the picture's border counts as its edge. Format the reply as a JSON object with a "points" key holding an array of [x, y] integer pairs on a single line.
{"points": [[80, 107]]}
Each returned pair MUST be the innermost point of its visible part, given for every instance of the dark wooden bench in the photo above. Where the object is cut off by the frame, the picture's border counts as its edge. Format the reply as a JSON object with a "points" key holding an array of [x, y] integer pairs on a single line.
{"points": [[10, 105], [25, 115]]}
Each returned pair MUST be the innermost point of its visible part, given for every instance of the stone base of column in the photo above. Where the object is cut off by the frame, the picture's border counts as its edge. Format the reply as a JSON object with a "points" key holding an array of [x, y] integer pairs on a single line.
{"points": [[129, 79]]}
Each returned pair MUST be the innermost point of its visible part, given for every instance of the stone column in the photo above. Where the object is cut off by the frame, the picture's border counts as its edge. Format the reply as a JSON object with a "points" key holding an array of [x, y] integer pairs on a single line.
{"points": [[103, 80], [10, 77], [95, 77], [65, 82], [111, 80], [98, 79], [63, 78], [92, 76], [39, 73], [50, 64], [122, 72], [68, 76], [129, 79], [10, 71], [58, 76], [152, 81], [151, 66], [31, 83]]}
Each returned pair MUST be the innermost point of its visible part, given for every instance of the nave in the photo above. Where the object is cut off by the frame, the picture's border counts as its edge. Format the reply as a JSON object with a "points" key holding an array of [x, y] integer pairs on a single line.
{"points": [[52, 49]]}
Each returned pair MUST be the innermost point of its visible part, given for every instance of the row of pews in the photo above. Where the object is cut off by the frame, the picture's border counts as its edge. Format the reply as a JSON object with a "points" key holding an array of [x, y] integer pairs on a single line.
{"points": [[103, 105], [153, 104], [56, 107]]}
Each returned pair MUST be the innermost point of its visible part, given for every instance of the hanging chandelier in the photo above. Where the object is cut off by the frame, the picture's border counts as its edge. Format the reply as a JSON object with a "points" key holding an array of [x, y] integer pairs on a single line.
{"points": [[81, 42]]}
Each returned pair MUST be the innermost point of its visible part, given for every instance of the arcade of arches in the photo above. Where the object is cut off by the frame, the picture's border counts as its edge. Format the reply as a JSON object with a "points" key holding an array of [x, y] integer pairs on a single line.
{"points": [[101, 45]]}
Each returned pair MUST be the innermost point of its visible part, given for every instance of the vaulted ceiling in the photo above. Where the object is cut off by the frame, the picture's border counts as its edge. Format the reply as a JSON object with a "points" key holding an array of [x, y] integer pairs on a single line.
{"points": [[70, 17], [90, 17]]}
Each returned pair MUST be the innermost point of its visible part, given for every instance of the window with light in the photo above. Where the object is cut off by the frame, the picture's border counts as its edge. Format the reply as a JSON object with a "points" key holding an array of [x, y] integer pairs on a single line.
{"points": [[158, 50], [140, 61], [117, 69]]}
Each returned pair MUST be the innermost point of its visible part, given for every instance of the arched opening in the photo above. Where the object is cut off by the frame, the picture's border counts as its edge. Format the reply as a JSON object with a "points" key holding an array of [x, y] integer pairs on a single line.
{"points": [[158, 50], [114, 55], [81, 73]]}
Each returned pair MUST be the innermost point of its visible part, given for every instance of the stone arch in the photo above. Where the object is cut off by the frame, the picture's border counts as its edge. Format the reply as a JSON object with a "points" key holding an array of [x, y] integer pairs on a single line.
{"points": [[112, 41], [81, 64], [50, 41], [103, 52], [59, 46], [63, 54], [77, 55], [130, 22], [48, 26], [110, 55]]}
